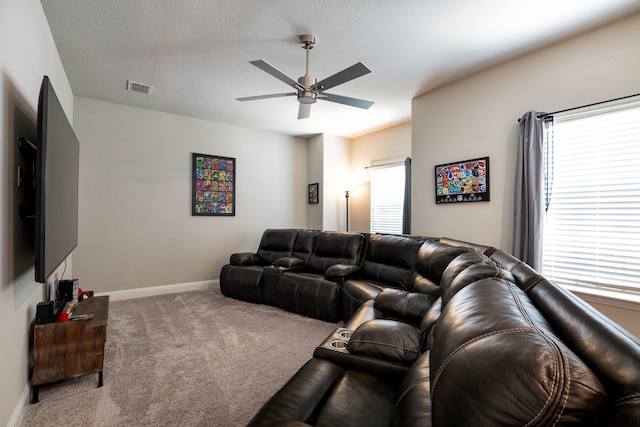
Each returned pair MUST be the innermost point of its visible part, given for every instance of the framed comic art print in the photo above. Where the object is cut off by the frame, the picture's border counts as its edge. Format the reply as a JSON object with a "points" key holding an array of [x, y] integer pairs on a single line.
{"points": [[214, 185], [463, 181]]}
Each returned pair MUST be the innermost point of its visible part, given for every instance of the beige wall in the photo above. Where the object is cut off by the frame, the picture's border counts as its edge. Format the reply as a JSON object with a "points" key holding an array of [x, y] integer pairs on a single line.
{"points": [[477, 116], [315, 166], [27, 52], [387, 144], [136, 228]]}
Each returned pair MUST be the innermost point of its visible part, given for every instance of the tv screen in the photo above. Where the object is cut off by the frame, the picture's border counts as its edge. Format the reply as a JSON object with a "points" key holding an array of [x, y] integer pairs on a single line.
{"points": [[56, 189]]}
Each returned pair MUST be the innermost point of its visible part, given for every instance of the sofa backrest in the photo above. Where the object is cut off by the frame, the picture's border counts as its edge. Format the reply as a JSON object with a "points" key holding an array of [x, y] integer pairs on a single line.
{"points": [[608, 349], [495, 360], [303, 245], [467, 268], [391, 259], [335, 247], [432, 259], [276, 243]]}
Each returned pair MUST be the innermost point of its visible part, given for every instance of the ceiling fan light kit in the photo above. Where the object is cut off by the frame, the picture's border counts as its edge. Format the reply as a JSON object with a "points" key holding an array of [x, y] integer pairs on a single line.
{"points": [[308, 90]]}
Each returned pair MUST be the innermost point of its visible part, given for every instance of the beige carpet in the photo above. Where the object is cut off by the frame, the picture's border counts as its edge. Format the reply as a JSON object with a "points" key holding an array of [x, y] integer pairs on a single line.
{"points": [[191, 359]]}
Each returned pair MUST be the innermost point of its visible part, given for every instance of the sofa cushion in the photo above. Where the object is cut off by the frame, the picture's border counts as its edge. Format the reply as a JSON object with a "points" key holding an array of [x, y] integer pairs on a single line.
{"points": [[359, 399], [302, 397], [402, 305], [288, 262], [303, 246], [276, 243], [390, 259], [496, 361], [390, 340], [332, 247]]}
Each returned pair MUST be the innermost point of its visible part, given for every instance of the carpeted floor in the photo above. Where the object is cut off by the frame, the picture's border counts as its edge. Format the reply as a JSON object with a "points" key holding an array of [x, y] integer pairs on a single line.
{"points": [[191, 359]]}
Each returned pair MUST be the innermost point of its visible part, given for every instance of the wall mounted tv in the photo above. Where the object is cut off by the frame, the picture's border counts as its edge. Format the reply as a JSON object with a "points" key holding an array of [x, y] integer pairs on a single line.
{"points": [[56, 185]]}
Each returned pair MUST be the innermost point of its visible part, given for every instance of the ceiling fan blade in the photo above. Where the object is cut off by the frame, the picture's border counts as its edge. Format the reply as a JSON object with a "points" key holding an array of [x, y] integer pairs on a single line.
{"points": [[275, 95], [350, 73], [353, 102], [304, 111], [266, 67]]}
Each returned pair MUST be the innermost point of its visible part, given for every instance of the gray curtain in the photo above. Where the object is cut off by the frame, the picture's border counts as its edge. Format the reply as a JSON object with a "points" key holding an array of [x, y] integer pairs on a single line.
{"points": [[406, 209], [529, 191]]}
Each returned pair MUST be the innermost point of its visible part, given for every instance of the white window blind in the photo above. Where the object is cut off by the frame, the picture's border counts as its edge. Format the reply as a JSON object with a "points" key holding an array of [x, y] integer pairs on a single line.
{"points": [[592, 225], [387, 199]]}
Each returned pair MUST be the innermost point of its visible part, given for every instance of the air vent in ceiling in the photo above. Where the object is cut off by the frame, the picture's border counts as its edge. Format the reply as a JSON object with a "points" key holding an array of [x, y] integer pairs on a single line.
{"points": [[139, 87]]}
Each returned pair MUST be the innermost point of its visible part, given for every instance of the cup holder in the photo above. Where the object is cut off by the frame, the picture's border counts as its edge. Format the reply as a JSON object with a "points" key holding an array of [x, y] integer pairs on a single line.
{"points": [[345, 333], [338, 344]]}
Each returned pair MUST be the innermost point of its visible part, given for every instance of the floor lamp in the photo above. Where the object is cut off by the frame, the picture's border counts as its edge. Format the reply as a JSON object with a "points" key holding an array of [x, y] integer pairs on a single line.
{"points": [[346, 197]]}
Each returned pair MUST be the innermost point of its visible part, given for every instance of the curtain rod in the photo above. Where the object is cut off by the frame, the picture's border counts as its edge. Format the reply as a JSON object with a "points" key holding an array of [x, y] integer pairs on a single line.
{"points": [[544, 116], [386, 164]]}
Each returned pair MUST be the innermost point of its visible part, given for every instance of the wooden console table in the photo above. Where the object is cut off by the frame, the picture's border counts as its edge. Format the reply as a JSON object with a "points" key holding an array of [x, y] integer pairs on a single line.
{"points": [[63, 350]]}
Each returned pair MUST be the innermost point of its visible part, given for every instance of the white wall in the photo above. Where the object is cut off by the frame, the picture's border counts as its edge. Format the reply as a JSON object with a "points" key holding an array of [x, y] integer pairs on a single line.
{"points": [[328, 163], [387, 144], [336, 176], [315, 166], [27, 52], [136, 228], [477, 116]]}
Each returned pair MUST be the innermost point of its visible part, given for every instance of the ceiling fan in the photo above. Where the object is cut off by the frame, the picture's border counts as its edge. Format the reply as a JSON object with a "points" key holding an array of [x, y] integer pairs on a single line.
{"points": [[307, 89]]}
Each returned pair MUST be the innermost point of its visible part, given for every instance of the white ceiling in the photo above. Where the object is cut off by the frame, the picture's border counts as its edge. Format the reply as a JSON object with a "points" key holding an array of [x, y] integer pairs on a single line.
{"points": [[196, 53]]}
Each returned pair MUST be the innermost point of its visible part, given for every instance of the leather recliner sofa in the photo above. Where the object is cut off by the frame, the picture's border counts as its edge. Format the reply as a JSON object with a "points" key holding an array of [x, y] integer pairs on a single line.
{"points": [[302, 273], [501, 345]]}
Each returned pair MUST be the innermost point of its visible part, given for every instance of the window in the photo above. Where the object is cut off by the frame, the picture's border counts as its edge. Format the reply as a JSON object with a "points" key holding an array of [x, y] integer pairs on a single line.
{"points": [[387, 198], [591, 235]]}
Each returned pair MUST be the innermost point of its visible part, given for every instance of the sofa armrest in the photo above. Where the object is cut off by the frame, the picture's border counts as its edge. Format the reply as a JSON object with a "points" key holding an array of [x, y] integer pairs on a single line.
{"points": [[390, 340], [341, 271], [244, 258]]}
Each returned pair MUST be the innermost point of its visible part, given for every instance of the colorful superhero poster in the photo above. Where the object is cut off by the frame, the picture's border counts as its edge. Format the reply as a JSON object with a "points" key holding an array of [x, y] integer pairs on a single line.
{"points": [[213, 185], [465, 181]]}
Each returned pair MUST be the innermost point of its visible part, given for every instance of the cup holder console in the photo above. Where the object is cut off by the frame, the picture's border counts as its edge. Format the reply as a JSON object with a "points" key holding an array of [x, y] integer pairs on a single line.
{"points": [[339, 344], [345, 334], [338, 340]]}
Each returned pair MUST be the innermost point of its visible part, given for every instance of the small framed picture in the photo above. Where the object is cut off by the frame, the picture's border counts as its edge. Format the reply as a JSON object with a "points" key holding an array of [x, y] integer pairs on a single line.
{"points": [[313, 193]]}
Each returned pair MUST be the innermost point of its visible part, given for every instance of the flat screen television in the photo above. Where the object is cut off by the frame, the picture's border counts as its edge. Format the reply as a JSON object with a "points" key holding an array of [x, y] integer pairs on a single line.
{"points": [[56, 185]]}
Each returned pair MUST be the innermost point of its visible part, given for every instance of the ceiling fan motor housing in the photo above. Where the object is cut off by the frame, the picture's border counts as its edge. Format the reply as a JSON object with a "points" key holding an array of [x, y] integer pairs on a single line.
{"points": [[306, 95]]}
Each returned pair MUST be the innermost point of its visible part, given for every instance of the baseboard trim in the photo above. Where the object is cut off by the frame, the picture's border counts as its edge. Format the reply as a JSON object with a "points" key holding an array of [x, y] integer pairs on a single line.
{"points": [[161, 290], [21, 408]]}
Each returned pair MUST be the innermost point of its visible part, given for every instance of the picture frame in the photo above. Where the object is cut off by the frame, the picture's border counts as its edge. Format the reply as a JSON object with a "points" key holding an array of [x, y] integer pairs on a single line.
{"points": [[463, 181], [313, 194], [213, 185]]}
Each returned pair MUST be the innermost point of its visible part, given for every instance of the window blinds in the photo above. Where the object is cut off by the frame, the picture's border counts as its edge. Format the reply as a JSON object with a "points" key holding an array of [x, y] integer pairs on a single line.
{"points": [[387, 199], [592, 225]]}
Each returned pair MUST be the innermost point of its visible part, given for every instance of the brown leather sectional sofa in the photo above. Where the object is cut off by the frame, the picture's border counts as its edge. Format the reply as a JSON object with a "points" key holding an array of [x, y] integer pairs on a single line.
{"points": [[437, 332]]}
